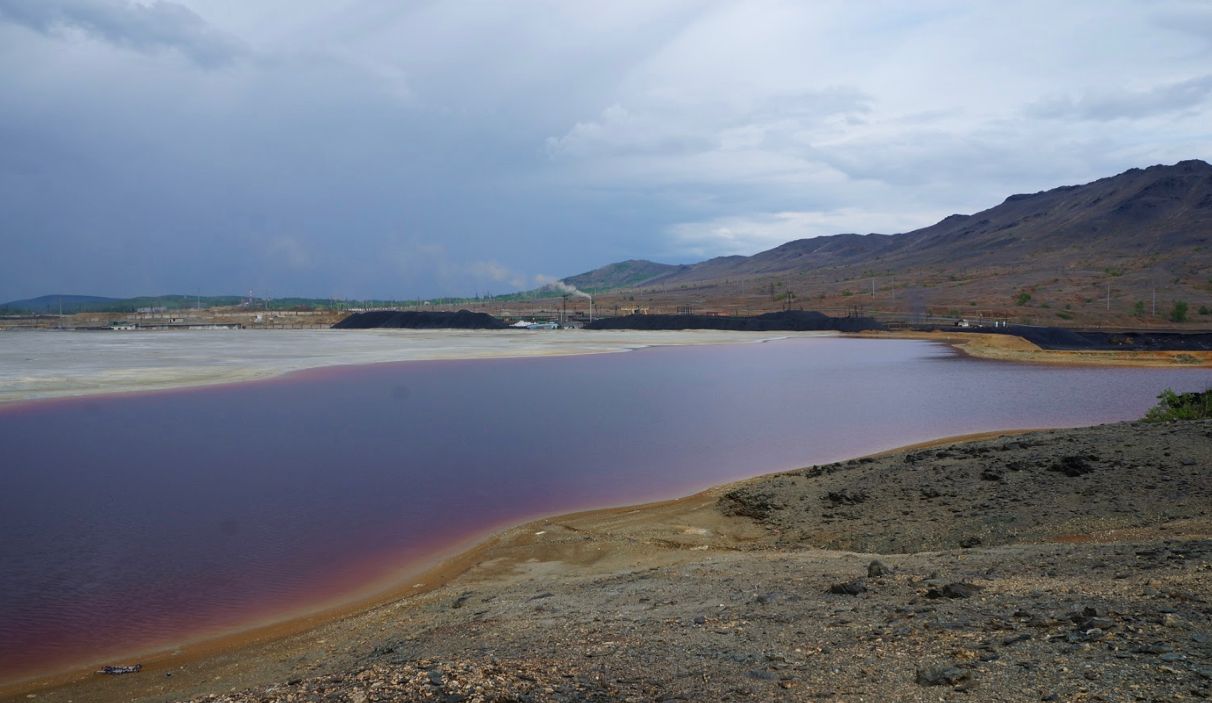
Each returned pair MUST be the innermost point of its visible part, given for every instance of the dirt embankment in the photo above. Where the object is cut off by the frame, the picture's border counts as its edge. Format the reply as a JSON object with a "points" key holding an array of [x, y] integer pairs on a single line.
{"points": [[1067, 565]]}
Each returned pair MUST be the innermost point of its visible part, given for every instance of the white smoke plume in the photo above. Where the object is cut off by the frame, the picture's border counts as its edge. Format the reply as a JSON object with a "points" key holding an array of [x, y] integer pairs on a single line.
{"points": [[569, 289]]}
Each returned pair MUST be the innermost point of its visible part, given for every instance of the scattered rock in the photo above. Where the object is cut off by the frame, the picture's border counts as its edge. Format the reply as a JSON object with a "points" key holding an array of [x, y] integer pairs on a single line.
{"points": [[846, 496], [946, 675], [957, 589], [743, 503], [877, 569], [849, 588], [1074, 465]]}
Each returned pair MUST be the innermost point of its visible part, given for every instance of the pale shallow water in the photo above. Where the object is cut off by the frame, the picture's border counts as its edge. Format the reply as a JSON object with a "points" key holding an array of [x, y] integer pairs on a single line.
{"points": [[53, 363], [140, 520]]}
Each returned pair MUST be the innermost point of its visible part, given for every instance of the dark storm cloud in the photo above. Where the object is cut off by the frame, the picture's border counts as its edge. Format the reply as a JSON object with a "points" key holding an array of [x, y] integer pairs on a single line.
{"points": [[150, 27]]}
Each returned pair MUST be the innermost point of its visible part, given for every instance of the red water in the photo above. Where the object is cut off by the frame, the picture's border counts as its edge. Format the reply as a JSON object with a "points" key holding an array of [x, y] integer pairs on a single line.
{"points": [[137, 521]]}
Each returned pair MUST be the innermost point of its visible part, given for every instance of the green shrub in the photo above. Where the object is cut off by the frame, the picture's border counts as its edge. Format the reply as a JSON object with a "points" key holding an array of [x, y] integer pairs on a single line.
{"points": [[1203, 310], [1178, 313], [1022, 298], [1173, 406]]}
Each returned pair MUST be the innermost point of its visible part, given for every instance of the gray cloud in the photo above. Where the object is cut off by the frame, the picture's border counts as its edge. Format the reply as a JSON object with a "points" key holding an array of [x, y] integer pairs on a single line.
{"points": [[1192, 21], [1127, 104], [142, 27]]}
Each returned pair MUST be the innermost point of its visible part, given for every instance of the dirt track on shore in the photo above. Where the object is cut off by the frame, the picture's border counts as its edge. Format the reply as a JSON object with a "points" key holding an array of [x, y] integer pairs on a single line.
{"points": [[1058, 565]]}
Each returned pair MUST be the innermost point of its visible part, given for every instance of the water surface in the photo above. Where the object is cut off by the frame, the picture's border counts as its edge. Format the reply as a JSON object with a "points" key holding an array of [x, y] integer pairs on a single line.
{"points": [[139, 520]]}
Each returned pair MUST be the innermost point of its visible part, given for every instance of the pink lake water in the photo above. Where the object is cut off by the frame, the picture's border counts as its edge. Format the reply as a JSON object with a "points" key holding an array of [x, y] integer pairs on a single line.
{"points": [[137, 521]]}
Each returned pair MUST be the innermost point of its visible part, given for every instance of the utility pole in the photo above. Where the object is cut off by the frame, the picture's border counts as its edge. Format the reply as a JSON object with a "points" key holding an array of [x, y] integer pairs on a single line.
{"points": [[872, 287], [1108, 296]]}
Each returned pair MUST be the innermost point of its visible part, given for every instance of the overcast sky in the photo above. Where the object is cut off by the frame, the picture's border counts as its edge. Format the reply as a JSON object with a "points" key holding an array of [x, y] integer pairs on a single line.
{"points": [[402, 149]]}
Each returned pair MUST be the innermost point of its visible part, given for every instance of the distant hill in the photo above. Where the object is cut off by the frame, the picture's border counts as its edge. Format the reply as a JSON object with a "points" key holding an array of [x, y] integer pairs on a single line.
{"points": [[68, 304], [56, 303], [624, 274], [50, 304], [1141, 230]]}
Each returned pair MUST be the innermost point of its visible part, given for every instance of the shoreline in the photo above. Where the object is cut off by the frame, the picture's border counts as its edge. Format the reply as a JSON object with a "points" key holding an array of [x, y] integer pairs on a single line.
{"points": [[505, 544], [1005, 347]]}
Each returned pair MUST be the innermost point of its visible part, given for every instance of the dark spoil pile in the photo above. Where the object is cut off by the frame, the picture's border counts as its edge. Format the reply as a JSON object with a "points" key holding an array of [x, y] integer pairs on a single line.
{"points": [[461, 320], [790, 320]]}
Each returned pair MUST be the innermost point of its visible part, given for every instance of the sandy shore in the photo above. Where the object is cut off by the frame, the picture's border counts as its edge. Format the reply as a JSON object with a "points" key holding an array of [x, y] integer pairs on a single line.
{"points": [[1052, 565], [1004, 347]]}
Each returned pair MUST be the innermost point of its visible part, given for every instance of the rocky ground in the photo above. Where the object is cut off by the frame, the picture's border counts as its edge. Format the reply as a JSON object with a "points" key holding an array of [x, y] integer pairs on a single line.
{"points": [[1067, 565]]}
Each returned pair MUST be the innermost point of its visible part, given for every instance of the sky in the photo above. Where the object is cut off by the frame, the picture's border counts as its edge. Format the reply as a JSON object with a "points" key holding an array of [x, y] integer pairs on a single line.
{"points": [[367, 148]]}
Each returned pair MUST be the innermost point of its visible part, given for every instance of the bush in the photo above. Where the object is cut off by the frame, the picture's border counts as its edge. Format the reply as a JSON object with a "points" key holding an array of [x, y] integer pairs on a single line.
{"points": [[1173, 406], [1178, 313], [1203, 310], [1022, 298]]}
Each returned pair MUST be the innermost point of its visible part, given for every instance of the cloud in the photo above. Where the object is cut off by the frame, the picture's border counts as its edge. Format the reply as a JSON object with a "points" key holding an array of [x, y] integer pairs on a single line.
{"points": [[458, 276], [495, 272], [1126, 104], [290, 252], [660, 127], [143, 27], [1191, 21], [753, 233], [376, 149]]}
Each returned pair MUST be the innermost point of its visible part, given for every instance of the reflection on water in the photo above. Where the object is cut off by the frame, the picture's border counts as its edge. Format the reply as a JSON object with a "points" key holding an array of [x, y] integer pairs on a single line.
{"points": [[137, 520]]}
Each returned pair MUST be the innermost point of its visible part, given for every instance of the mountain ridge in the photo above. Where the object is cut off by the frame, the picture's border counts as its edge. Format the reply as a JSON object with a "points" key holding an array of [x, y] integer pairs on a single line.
{"points": [[1144, 226]]}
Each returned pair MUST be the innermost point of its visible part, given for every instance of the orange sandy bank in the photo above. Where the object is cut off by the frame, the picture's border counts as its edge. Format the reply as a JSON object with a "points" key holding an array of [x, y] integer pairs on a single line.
{"points": [[1004, 347]]}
